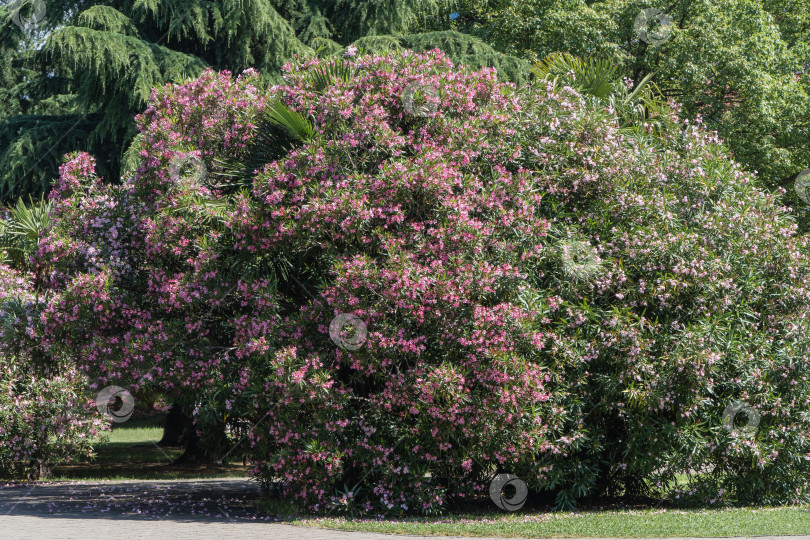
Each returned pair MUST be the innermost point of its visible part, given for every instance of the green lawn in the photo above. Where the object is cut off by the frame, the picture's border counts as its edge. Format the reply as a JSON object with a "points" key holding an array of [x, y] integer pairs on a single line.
{"points": [[629, 523], [130, 453]]}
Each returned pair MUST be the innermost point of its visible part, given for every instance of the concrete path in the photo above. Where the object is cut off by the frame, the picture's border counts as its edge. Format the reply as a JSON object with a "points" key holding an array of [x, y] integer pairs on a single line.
{"points": [[220, 509]]}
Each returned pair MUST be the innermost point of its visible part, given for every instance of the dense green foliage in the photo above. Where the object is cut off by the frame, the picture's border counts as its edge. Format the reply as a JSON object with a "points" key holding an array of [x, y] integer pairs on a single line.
{"points": [[534, 287], [741, 64]]}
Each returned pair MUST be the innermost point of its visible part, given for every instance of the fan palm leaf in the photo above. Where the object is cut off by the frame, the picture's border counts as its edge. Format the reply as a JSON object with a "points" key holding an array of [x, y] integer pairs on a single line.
{"points": [[594, 76], [600, 82], [280, 130], [328, 73], [21, 231]]}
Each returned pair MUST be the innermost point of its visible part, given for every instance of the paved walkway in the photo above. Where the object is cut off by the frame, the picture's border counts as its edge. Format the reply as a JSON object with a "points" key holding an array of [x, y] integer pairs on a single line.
{"points": [[220, 509]]}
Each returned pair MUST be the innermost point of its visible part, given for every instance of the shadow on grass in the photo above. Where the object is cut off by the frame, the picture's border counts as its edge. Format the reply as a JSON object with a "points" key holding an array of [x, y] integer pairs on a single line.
{"points": [[131, 453]]}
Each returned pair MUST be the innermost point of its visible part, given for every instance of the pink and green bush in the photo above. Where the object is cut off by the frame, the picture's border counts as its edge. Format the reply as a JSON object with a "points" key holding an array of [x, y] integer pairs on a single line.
{"points": [[545, 293], [45, 414]]}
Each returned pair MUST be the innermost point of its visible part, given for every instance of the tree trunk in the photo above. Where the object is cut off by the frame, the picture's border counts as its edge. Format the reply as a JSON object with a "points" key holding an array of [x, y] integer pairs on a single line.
{"points": [[210, 448], [179, 430], [194, 452], [176, 427]]}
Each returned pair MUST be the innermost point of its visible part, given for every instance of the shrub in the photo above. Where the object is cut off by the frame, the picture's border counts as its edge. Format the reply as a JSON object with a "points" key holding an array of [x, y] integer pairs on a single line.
{"points": [[45, 415], [528, 288]]}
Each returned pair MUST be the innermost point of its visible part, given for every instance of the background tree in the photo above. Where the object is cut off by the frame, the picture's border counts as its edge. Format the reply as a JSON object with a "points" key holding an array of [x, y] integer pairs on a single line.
{"points": [[741, 64], [35, 121]]}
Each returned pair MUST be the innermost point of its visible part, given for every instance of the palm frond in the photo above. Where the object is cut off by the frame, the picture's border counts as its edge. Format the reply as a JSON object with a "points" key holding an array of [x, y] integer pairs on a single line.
{"points": [[280, 130], [204, 210], [21, 232], [594, 76], [601, 84], [328, 73], [293, 122], [643, 87], [30, 221]]}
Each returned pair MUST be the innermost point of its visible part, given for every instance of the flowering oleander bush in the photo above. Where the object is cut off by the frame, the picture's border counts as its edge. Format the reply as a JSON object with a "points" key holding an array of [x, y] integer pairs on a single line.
{"points": [[45, 412], [44, 421], [543, 293]]}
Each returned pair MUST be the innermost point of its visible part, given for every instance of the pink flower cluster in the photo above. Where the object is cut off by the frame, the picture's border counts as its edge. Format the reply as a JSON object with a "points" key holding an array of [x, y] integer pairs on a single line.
{"points": [[45, 413]]}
